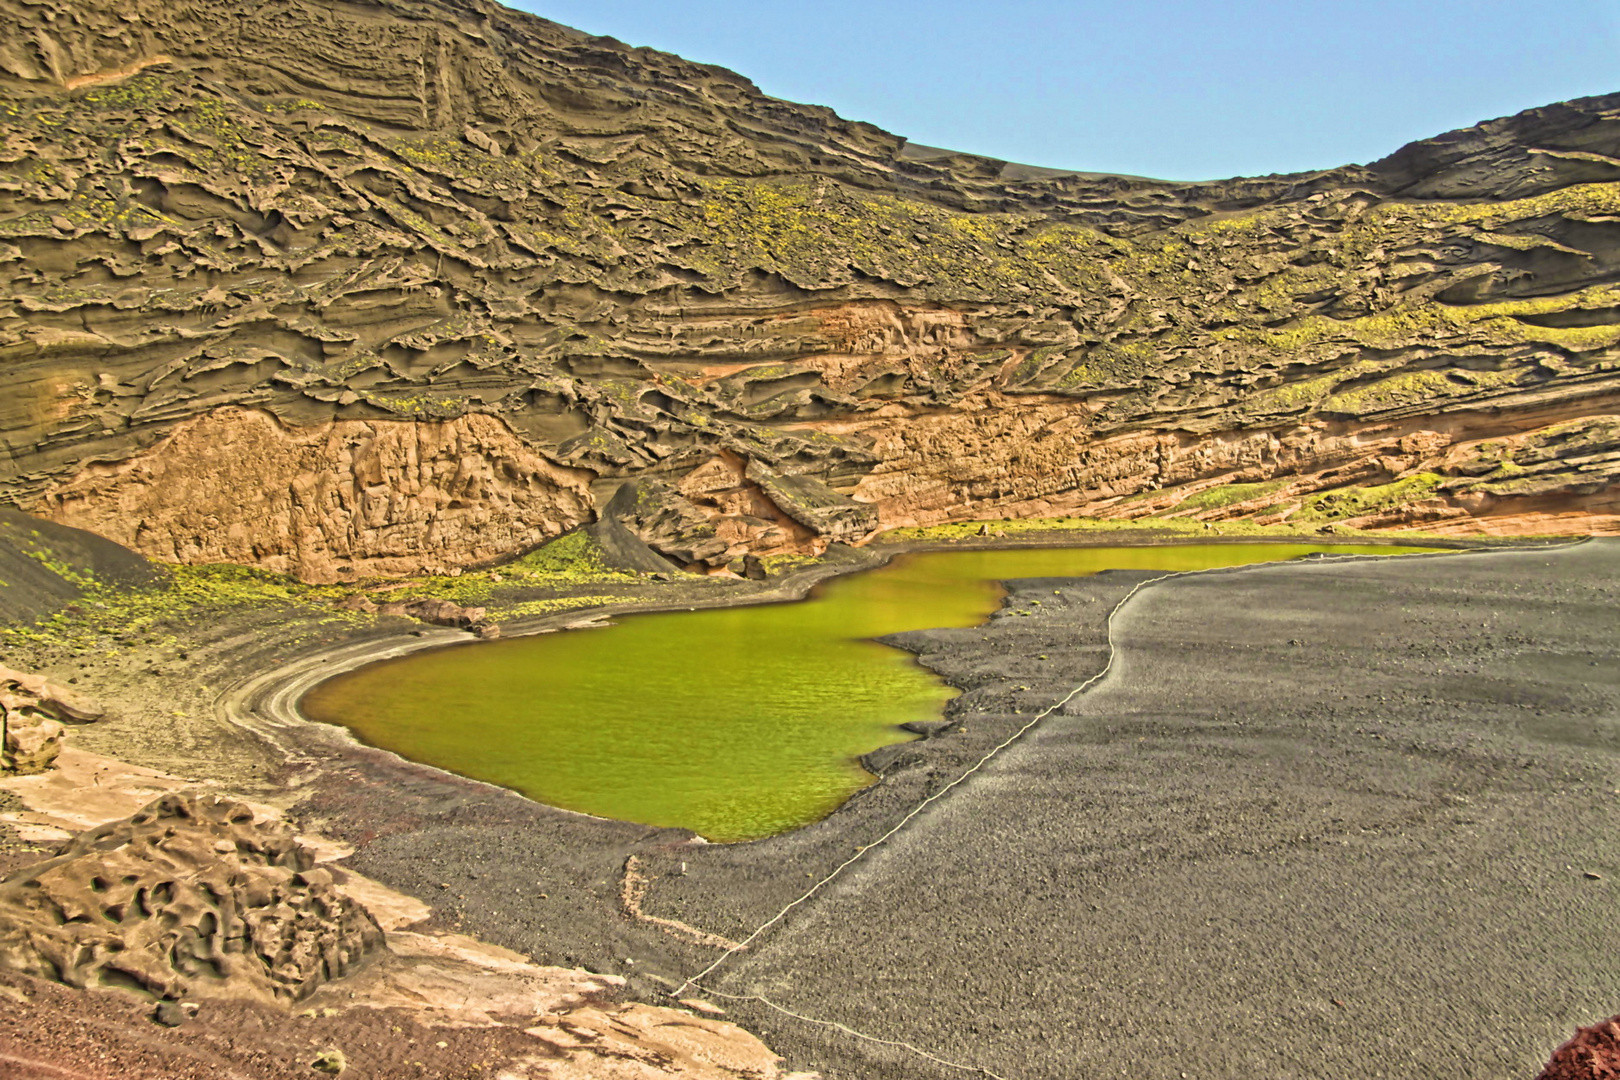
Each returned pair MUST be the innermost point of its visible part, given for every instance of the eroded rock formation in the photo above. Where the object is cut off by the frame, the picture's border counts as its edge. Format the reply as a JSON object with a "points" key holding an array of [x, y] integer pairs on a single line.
{"points": [[258, 259], [432, 611], [189, 898], [341, 497], [33, 711]]}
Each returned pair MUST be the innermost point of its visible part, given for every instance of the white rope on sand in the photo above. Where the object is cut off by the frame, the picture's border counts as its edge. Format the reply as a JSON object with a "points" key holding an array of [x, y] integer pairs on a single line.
{"points": [[846, 1029], [860, 852]]}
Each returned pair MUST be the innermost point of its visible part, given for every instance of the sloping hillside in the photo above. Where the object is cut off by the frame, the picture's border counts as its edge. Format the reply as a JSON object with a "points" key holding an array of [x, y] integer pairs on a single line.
{"points": [[394, 285], [44, 566]]}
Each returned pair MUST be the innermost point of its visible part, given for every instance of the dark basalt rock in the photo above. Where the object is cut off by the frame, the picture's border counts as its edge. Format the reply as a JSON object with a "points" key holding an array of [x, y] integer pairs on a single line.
{"points": [[887, 759], [929, 728], [622, 549]]}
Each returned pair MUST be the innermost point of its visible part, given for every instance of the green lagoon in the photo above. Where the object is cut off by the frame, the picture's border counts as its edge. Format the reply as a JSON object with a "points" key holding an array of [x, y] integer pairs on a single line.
{"points": [[738, 723]]}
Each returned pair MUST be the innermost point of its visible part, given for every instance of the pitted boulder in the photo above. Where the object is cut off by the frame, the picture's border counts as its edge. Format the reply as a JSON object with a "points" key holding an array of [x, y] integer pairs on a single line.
{"points": [[188, 898]]}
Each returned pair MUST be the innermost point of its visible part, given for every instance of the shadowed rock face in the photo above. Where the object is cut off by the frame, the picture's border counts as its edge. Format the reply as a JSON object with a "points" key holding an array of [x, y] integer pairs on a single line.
{"points": [[243, 241]]}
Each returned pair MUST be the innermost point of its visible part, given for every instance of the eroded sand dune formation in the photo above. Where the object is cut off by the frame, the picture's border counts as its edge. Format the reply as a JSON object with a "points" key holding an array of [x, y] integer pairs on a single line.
{"points": [[376, 286]]}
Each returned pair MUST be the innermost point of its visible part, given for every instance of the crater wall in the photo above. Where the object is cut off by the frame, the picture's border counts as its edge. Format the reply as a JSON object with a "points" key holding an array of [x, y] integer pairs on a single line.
{"points": [[240, 241]]}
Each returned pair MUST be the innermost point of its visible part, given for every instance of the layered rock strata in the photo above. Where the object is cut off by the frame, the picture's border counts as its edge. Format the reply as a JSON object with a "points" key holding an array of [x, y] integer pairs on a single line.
{"points": [[260, 262]]}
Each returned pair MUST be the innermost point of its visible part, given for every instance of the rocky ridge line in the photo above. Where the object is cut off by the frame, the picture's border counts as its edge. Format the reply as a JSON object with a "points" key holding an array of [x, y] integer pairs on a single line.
{"points": [[341, 260]]}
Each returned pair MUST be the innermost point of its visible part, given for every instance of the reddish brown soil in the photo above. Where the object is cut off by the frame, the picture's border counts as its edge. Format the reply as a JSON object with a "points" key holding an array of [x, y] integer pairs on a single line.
{"points": [[52, 1032], [1593, 1054]]}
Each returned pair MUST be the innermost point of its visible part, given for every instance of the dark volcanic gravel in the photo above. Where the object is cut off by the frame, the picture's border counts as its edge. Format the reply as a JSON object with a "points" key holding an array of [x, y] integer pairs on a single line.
{"points": [[1321, 821], [1331, 820]]}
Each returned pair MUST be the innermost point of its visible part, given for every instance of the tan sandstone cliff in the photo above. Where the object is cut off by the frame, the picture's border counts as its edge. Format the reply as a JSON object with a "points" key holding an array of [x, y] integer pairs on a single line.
{"points": [[259, 263]]}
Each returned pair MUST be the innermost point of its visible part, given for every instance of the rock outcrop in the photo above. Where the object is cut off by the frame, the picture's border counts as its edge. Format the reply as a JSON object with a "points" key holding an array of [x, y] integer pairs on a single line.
{"points": [[436, 612], [189, 898], [1592, 1054], [327, 501], [428, 283], [33, 711]]}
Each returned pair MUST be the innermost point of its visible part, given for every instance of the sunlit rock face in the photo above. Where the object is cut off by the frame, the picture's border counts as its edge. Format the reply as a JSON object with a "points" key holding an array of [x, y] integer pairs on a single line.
{"points": [[189, 897], [257, 259], [33, 711], [329, 499]]}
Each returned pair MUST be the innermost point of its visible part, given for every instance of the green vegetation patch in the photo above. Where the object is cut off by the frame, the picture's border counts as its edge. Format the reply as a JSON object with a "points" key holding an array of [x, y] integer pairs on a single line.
{"points": [[1358, 501], [1499, 322], [1087, 526], [1291, 397], [781, 564], [555, 604], [108, 616], [573, 559], [1226, 495], [812, 232], [1412, 387], [419, 406], [1577, 200]]}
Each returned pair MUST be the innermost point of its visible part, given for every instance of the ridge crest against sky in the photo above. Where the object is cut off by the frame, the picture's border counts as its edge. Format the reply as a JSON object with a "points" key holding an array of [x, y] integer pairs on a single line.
{"points": [[1178, 89]]}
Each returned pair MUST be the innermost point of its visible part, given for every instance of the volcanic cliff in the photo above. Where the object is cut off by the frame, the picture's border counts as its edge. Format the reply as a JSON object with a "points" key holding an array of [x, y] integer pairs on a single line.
{"points": [[376, 286]]}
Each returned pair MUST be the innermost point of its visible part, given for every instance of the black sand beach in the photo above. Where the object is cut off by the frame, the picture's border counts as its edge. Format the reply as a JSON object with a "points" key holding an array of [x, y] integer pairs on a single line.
{"points": [[1321, 820]]}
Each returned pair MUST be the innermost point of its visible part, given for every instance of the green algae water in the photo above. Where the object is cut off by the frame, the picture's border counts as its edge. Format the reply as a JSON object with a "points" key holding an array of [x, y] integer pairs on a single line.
{"points": [[737, 723]]}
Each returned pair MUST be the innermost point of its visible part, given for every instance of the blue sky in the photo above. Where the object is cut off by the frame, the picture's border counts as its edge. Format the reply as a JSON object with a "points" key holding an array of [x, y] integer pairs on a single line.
{"points": [[1168, 88]]}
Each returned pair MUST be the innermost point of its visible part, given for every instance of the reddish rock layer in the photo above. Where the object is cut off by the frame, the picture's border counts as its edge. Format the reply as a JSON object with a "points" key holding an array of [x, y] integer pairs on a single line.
{"points": [[1592, 1054]]}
